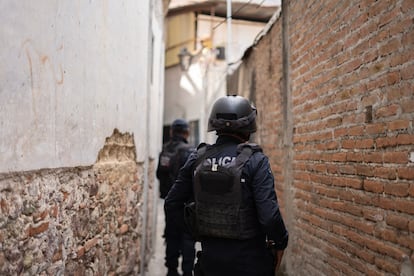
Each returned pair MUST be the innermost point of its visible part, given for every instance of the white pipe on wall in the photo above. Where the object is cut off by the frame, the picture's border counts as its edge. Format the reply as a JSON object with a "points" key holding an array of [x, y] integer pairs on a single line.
{"points": [[147, 151], [229, 35]]}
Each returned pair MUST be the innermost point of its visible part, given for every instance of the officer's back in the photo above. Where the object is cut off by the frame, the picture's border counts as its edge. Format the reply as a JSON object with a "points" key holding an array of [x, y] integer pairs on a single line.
{"points": [[236, 217]]}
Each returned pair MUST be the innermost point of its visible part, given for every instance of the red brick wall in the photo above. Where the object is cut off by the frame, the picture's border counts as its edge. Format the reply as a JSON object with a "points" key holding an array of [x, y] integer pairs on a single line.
{"points": [[259, 79], [270, 115], [345, 180]]}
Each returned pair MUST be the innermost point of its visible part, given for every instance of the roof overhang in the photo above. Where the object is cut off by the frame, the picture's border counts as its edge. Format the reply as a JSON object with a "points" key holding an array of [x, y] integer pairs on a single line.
{"points": [[240, 10]]}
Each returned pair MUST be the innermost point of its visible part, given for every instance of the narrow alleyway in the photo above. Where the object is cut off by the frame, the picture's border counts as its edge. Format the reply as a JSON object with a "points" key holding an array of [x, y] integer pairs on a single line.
{"points": [[156, 266]]}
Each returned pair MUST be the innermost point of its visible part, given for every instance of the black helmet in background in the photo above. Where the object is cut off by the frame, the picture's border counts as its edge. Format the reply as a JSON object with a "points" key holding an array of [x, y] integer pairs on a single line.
{"points": [[179, 125], [232, 114]]}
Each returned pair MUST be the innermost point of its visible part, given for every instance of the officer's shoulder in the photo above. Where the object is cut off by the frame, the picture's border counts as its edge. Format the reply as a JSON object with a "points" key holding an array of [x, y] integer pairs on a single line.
{"points": [[187, 146], [257, 155], [252, 146], [201, 149], [202, 145]]}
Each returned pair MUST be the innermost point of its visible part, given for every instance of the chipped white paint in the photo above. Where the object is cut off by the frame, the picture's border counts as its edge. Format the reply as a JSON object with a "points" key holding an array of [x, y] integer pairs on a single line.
{"points": [[71, 72]]}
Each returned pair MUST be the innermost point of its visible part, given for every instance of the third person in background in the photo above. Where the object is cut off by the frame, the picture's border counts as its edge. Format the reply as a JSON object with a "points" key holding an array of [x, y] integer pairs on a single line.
{"points": [[178, 241]]}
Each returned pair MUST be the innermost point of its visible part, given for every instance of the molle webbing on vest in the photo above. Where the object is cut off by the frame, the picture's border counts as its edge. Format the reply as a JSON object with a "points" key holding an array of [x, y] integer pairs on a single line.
{"points": [[218, 196]]}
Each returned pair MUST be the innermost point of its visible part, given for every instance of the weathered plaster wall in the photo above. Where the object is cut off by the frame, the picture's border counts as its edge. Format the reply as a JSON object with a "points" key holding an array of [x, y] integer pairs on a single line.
{"points": [[71, 72]]}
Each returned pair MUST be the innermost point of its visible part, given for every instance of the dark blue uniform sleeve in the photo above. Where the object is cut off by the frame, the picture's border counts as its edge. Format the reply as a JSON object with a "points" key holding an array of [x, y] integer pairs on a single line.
{"points": [[158, 172], [265, 199], [182, 190]]}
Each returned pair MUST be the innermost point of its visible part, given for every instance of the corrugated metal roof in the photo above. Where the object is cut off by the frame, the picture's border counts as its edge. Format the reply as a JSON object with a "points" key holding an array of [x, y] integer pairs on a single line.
{"points": [[254, 10], [181, 3]]}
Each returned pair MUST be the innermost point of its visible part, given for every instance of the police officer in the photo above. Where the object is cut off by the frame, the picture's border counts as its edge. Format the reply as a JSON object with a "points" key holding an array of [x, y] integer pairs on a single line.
{"points": [[178, 240], [242, 231]]}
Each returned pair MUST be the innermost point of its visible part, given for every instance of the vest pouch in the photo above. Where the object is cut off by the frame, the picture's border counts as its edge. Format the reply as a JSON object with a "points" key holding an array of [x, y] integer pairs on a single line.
{"points": [[218, 182], [218, 202], [219, 210]]}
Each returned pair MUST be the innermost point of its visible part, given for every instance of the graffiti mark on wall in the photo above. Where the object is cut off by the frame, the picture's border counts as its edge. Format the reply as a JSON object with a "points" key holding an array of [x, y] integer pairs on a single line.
{"points": [[44, 77], [44, 72]]}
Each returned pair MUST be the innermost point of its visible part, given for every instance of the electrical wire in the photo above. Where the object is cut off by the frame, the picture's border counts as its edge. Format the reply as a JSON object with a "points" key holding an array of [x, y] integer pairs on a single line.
{"points": [[261, 3], [235, 13]]}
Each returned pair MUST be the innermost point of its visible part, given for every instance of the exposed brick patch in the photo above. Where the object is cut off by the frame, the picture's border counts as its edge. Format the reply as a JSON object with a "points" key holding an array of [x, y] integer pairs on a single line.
{"points": [[123, 229], [37, 229], [67, 220]]}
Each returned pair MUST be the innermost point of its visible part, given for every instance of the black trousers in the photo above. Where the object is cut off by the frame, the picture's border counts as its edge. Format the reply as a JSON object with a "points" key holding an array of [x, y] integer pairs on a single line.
{"points": [[221, 257], [179, 243]]}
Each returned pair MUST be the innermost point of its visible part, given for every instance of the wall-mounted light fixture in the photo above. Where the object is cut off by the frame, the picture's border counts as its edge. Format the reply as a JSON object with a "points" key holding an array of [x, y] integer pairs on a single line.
{"points": [[185, 58]]}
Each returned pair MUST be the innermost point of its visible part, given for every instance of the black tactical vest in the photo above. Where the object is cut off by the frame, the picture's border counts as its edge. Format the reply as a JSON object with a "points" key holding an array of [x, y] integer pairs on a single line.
{"points": [[219, 209], [169, 164]]}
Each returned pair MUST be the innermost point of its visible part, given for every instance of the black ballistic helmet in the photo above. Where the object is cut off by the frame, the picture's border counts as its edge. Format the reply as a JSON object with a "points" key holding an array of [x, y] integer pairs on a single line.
{"points": [[232, 114], [179, 125]]}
